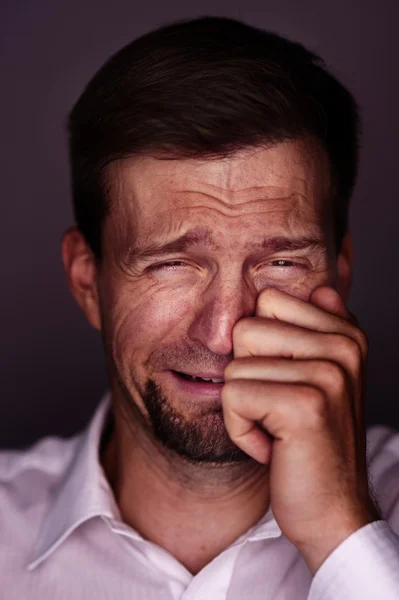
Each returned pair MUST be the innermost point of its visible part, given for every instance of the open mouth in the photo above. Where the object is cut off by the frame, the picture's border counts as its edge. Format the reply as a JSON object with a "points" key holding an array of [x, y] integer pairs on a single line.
{"points": [[199, 379]]}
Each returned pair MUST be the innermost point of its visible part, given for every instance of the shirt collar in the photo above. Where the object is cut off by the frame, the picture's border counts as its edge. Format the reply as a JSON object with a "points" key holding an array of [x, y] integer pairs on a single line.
{"points": [[84, 493], [265, 528]]}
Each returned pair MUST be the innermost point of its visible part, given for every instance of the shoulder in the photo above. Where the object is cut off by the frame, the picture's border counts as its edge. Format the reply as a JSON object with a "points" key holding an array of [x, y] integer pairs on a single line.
{"points": [[383, 468], [28, 479], [46, 459], [382, 446]]}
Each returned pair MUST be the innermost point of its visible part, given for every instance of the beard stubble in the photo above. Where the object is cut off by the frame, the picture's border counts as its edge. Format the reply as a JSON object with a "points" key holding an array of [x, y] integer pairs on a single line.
{"points": [[203, 438]]}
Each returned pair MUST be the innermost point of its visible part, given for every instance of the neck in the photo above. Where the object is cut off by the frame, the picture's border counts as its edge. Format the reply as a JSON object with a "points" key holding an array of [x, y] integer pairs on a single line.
{"points": [[179, 505]]}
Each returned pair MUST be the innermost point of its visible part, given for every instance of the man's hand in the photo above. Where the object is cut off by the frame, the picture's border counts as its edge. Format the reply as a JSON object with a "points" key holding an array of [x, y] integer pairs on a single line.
{"points": [[298, 374]]}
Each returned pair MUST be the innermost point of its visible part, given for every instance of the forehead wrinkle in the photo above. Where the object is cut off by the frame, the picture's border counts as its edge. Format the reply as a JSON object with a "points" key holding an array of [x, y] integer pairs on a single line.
{"points": [[294, 205], [253, 195], [193, 237], [281, 243], [258, 164], [183, 228], [204, 237]]}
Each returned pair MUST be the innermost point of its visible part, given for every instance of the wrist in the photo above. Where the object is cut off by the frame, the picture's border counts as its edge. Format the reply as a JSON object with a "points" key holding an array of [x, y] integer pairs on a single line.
{"points": [[325, 538]]}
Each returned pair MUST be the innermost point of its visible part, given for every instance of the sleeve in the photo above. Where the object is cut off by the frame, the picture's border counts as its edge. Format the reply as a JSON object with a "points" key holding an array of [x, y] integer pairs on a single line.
{"points": [[365, 566]]}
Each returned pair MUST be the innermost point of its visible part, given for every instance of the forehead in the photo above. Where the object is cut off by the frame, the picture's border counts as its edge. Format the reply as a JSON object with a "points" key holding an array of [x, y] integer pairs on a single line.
{"points": [[287, 182]]}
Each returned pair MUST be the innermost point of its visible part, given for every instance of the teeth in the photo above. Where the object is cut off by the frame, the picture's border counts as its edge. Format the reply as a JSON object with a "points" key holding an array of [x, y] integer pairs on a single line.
{"points": [[213, 379]]}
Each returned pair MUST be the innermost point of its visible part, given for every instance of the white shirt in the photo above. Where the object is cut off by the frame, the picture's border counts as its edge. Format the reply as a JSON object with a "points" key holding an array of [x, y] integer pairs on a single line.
{"points": [[62, 538]]}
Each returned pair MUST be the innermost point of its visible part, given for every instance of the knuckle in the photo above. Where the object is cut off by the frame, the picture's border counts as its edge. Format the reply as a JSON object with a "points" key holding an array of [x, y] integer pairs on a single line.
{"points": [[242, 333], [231, 391], [230, 371], [267, 296], [350, 352], [363, 341], [241, 328], [333, 377], [312, 405]]}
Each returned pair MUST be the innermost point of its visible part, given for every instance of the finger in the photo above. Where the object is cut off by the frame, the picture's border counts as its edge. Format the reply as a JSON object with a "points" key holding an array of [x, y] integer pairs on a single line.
{"points": [[328, 299], [270, 338], [326, 375], [279, 408], [275, 304], [248, 436], [242, 429]]}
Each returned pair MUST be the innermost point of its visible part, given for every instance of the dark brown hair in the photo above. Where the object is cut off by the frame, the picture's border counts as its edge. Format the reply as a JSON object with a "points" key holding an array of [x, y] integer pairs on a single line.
{"points": [[207, 88]]}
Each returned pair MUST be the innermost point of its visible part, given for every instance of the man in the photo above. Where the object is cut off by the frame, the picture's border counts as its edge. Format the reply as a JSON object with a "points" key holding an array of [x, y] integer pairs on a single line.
{"points": [[212, 167]]}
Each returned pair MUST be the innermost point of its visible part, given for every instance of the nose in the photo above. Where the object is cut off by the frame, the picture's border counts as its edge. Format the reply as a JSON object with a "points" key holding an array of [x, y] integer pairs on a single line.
{"points": [[218, 310]]}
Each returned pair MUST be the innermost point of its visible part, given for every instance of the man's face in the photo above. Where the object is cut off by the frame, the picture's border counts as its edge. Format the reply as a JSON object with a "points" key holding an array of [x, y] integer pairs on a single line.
{"points": [[188, 247]]}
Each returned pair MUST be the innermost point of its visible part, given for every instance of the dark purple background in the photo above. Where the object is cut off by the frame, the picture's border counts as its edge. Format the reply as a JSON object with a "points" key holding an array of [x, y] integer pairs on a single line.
{"points": [[52, 369]]}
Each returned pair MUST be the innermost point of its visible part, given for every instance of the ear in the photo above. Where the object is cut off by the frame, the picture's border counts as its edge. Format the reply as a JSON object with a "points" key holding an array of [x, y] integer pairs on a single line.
{"points": [[81, 272], [345, 267]]}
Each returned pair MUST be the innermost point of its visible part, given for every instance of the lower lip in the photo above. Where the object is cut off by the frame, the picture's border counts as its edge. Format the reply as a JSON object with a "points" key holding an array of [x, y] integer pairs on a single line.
{"points": [[206, 389]]}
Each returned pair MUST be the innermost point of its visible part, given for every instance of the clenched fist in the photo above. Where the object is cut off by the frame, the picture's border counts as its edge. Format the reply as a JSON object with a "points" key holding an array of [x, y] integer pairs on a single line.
{"points": [[293, 399]]}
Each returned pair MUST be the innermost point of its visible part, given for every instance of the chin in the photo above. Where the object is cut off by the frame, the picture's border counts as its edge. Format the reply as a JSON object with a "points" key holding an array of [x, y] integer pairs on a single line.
{"points": [[196, 432]]}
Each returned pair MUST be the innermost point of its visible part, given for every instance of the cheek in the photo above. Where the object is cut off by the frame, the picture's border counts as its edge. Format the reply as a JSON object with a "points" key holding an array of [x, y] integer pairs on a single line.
{"points": [[303, 286], [158, 317], [137, 320]]}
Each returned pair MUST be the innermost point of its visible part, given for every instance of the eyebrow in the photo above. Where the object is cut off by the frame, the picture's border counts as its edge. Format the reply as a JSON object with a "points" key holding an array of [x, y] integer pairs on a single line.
{"points": [[194, 237], [204, 237], [287, 244]]}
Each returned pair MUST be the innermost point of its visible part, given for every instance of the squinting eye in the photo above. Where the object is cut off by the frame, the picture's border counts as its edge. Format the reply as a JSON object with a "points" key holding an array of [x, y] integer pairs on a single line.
{"points": [[170, 264], [283, 263]]}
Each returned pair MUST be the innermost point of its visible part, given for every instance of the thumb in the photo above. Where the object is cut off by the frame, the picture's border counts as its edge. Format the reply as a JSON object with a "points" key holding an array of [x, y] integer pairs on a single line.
{"points": [[328, 299]]}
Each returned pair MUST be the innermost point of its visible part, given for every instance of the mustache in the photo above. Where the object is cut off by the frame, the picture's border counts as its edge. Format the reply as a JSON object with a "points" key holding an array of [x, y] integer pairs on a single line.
{"points": [[180, 356]]}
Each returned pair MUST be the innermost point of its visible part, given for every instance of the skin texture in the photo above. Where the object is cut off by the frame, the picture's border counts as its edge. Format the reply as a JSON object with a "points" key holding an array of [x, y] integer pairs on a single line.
{"points": [[288, 429]]}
